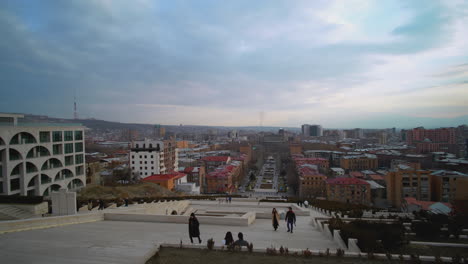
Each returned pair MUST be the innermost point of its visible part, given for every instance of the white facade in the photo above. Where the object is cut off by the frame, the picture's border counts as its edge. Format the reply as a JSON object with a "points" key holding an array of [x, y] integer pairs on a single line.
{"points": [[36, 159], [148, 157], [337, 171]]}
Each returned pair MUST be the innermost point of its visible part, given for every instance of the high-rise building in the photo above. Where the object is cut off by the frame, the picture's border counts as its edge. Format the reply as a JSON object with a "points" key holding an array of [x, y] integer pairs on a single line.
{"points": [[37, 159], [432, 140], [312, 130], [149, 157]]}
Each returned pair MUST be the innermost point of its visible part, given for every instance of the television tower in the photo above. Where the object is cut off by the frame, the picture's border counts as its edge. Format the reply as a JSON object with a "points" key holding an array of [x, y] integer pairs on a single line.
{"points": [[75, 113]]}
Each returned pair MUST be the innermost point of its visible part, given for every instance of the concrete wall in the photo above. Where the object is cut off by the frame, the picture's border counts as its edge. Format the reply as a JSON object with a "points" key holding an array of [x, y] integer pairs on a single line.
{"points": [[352, 245], [36, 209], [245, 220], [46, 222], [337, 238]]}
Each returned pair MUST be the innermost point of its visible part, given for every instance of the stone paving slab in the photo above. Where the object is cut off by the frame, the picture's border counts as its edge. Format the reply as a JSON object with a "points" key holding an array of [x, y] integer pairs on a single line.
{"points": [[132, 242]]}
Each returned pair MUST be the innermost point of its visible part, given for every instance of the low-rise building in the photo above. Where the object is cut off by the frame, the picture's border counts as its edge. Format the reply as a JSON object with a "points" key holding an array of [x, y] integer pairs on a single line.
{"points": [[359, 162], [311, 182], [337, 172], [348, 190], [407, 182], [168, 181], [449, 186]]}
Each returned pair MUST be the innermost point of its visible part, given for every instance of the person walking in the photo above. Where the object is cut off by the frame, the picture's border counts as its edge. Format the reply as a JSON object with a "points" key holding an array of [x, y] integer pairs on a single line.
{"points": [[290, 219], [306, 204], [275, 218], [101, 205], [194, 228]]}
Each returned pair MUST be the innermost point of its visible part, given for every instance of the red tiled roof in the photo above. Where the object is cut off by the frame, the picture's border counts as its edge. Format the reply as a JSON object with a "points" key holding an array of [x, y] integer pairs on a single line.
{"points": [[164, 177], [356, 174], [221, 171], [424, 204], [216, 158], [376, 177], [307, 171], [188, 169], [347, 181]]}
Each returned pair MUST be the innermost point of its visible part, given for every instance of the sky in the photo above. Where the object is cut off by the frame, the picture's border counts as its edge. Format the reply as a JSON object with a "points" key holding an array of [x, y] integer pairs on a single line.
{"points": [[354, 63]]}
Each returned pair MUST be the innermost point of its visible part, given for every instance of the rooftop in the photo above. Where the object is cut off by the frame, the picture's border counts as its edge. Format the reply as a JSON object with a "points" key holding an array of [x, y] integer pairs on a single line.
{"points": [[216, 158], [164, 177], [347, 181]]}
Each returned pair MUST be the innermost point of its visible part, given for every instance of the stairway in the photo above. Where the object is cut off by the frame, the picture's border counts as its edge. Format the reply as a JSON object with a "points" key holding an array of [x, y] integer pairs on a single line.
{"points": [[11, 212]]}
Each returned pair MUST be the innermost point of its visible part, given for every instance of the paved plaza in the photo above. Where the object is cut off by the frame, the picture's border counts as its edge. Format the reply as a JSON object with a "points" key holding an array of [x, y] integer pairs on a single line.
{"points": [[134, 242]]}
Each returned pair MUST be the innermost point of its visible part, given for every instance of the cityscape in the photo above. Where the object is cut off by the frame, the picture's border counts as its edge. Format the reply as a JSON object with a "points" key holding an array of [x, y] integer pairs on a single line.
{"points": [[209, 132]]}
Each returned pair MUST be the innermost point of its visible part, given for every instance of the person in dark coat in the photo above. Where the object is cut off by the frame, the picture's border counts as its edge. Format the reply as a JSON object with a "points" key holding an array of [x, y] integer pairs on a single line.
{"points": [[275, 218], [241, 242], [228, 239], [194, 230], [290, 219], [101, 205]]}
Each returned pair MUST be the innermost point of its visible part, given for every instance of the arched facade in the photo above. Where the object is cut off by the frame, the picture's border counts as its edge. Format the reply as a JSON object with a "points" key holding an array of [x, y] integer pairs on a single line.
{"points": [[32, 156], [63, 174], [37, 152], [75, 184], [23, 138], [51, 163], [14, 154]]}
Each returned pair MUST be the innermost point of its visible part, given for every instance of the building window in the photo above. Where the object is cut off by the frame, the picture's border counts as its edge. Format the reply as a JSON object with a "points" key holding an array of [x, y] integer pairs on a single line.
{"points": [[68, 148], [151, 156], [57, 149], [79, 170], [44, 136], [78, 135], [57, 136], [68, 135], [145, 156], [68, 160], [133, 156], [152, 162], [79, 159], [146, 162], [133, 162], [133, 168], [141, 168], [79, 147], [140, 156], [14, 184]]}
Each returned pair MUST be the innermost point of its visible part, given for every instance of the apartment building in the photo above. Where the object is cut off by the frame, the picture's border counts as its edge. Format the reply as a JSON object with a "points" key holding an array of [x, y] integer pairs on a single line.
{"points": [[221, 179], [311, 182], [348, 190], [407, 182], [36, 159], [449, 186], [433, 140], [149, 157], [359, 162]]}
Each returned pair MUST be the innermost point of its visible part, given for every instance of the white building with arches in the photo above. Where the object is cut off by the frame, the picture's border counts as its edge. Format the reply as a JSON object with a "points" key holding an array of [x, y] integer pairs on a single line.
{"points": [[37, 158]]}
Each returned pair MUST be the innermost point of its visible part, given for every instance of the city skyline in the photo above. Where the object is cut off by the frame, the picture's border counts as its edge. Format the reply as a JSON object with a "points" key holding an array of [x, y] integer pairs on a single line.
{"points": [[369, 64]]}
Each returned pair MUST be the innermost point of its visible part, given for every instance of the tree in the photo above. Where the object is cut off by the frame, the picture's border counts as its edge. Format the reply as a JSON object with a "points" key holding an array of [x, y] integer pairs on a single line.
{"points": [[252, 176]]}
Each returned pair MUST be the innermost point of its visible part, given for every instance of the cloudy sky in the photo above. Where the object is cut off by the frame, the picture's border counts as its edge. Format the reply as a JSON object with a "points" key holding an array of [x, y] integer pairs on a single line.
{"points": [[237, 63]]}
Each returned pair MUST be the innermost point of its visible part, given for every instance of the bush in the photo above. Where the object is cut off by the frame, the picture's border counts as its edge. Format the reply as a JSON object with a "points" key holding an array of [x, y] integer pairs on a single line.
{"points": [[426, 229], [391, 236], [210, 244]]}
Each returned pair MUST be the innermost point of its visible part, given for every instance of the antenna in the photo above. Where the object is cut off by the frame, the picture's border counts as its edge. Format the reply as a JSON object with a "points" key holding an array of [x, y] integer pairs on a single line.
{"points": [[75, 113]]}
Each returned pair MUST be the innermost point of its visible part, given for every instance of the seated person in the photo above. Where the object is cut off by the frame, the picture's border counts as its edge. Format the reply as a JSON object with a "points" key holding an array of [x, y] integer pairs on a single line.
{"points": [[228, 239], [241, 242]]}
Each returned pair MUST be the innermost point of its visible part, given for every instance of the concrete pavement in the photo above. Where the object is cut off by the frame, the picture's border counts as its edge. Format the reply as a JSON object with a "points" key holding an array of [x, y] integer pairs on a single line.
{"points": [[134, 242]]}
